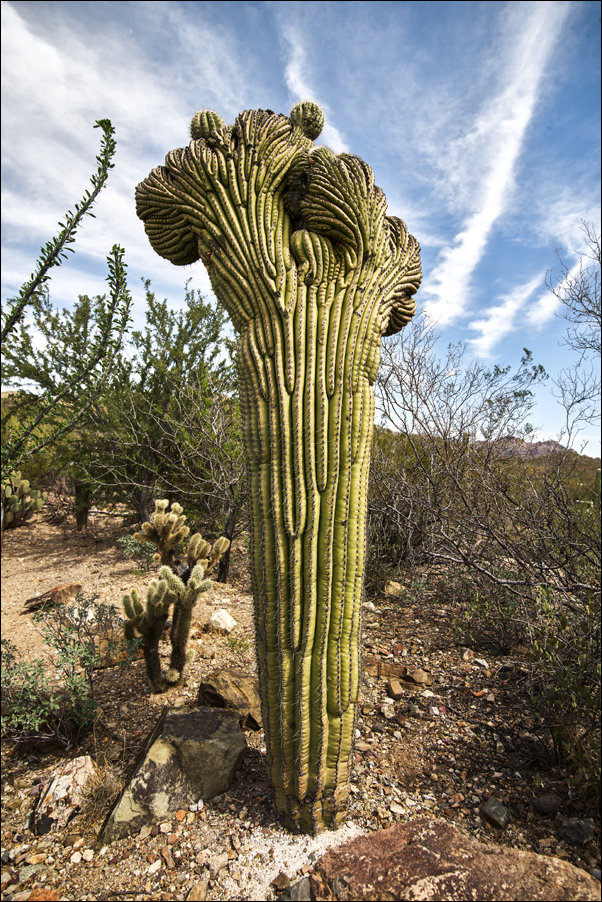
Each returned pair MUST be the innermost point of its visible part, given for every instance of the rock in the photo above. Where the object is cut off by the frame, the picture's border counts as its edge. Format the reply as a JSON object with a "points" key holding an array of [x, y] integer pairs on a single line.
{"points": [[394, 689], [56, 596], [230, 688], [188, 756], [548, 804], [577, 831], [281, 882], [202, 616], [496, 813], [221, 622], [402, 672], [217, 863], [44, 895], [297, 892], [198, 891], [62, 796], [29, 871], [432, 860]]}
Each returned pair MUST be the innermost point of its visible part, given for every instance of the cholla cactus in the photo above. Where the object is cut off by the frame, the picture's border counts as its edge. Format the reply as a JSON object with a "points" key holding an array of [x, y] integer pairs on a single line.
{"points": [[185, 598], [179, 585], [148, 621], [313, 272], [166, 530], [19, 501]]}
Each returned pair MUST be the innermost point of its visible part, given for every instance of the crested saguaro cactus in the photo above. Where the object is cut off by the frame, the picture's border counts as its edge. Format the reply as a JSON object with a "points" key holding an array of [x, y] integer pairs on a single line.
{"points": [[313, 273]]}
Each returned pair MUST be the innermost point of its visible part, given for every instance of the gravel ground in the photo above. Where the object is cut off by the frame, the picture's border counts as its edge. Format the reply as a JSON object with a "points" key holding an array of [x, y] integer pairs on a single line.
{"points": [[442, 747]]}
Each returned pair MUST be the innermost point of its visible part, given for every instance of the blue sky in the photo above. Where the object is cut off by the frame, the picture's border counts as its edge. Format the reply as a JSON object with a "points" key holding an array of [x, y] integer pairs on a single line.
{"points": [[481, 122]]}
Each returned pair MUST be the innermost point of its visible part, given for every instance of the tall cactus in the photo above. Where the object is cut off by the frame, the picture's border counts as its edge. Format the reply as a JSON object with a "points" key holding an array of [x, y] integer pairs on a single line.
{"points": [[313, 273]]}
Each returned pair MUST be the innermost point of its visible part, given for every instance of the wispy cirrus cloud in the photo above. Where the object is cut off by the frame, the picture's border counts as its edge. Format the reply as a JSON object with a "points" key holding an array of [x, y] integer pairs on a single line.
{"points": [[492, 146], [298, 81], [503, 318], [56, 83]]}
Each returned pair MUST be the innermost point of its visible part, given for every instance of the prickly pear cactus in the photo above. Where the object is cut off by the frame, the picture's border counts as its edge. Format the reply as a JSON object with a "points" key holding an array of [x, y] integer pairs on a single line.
{"points": [[19, 501], [313, 273]]}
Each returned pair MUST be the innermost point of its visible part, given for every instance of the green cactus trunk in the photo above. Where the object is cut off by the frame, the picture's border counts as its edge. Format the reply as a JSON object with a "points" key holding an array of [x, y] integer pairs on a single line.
{"points": [[308, 539], [178, 636], [313, 273], [152, 662]]}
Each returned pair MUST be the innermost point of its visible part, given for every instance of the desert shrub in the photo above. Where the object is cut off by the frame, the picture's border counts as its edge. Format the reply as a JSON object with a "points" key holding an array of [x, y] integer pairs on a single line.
{"points": [[43, 700], [60, 501], [32, 708], [459, 482], [140, 552], [566, 652], [85, 637]]}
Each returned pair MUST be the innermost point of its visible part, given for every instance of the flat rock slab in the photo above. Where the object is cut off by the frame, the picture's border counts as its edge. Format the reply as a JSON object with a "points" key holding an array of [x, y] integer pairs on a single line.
{"points": [[402, 672], [431, 860], [61, 798], [230, 688], [189, 756]]}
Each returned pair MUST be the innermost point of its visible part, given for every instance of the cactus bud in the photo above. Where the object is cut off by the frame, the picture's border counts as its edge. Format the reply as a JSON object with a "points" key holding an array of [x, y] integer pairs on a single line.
{"points": [[204, 122], [308, 116]]}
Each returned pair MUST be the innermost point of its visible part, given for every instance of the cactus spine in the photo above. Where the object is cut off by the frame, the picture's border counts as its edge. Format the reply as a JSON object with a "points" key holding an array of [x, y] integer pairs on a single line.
{"points": [[179, 585], [19, 501], [313, 273]]}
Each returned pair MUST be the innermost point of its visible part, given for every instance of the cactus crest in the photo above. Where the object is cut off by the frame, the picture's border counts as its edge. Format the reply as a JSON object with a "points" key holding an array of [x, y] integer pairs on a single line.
{"points": [[308, 116], [204, 122]]}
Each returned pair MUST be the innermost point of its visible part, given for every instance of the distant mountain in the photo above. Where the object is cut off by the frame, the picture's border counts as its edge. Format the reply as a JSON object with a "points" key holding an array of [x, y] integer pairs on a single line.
{"points": [[509, 446]]}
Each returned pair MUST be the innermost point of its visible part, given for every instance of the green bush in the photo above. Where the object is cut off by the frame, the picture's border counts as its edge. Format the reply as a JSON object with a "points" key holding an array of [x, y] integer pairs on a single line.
{"points": [[32, 709], [58, 701], [140, 552], [566, 651]]}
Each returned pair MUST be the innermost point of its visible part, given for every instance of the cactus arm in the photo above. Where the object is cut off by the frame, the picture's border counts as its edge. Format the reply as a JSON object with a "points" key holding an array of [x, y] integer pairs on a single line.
{"points": [[313, 272]]}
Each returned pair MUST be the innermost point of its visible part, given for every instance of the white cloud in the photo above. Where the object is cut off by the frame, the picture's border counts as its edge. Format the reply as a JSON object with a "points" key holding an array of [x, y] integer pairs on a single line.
{"points": [[492, 148], [298, 83], [546, 306], [56, 83], [501, 319]]}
